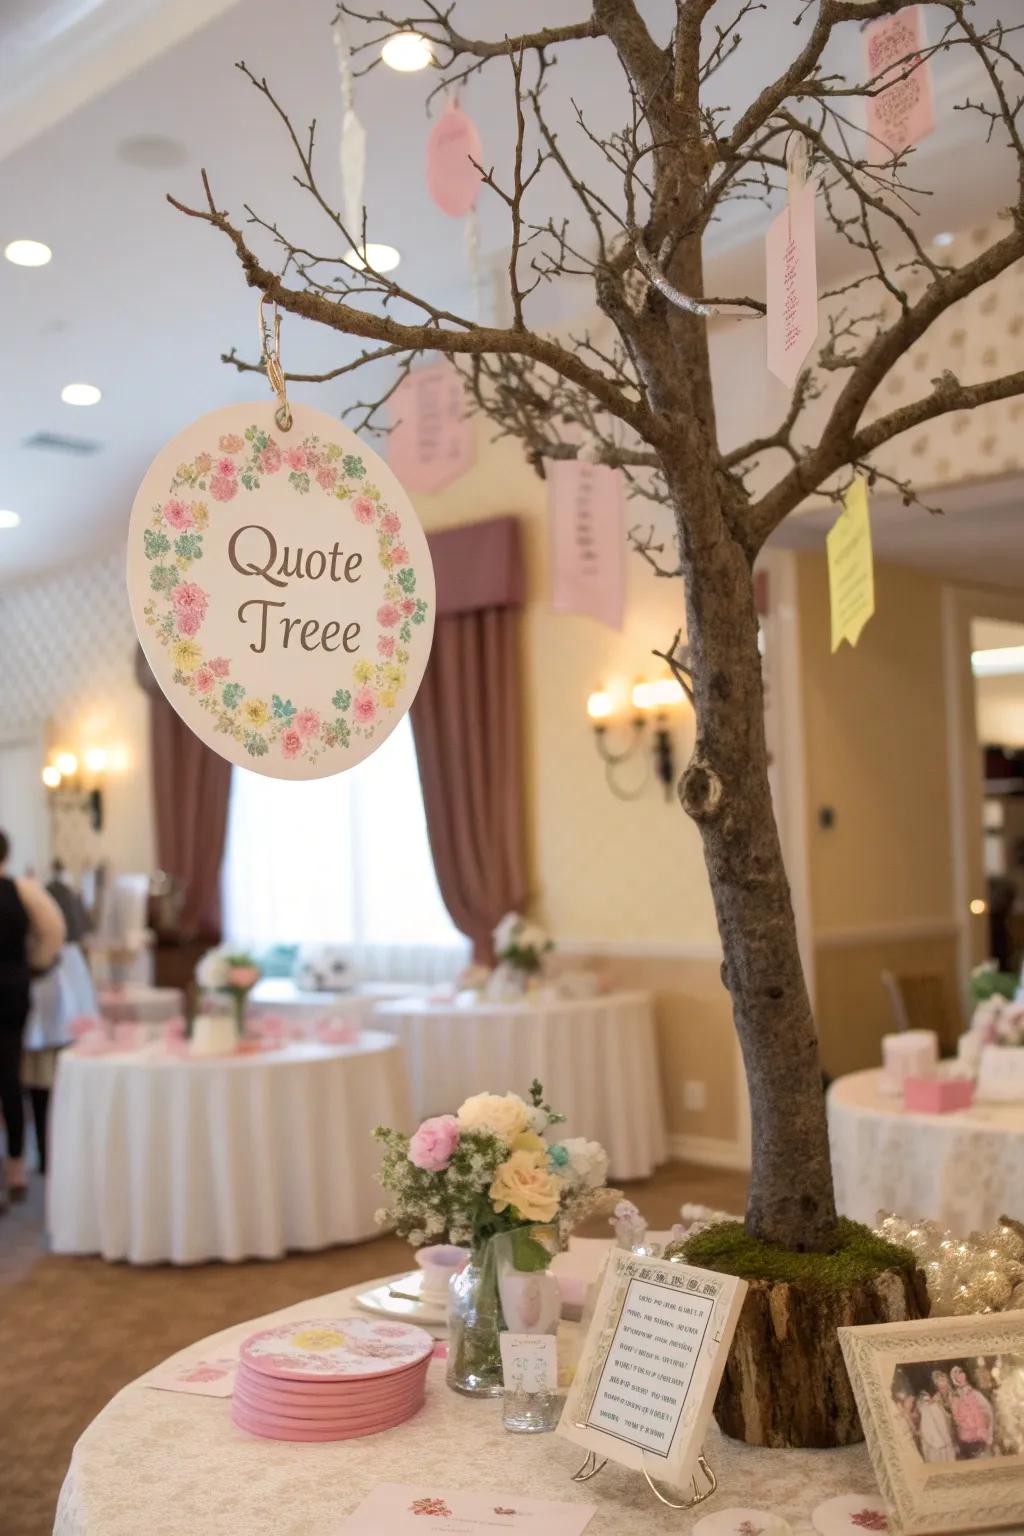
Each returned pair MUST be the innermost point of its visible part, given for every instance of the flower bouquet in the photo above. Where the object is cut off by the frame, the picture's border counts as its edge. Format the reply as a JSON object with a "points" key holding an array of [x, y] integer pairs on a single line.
{"points": [[231, 972], [993, 1048], [491, 1168], [520, 948]]}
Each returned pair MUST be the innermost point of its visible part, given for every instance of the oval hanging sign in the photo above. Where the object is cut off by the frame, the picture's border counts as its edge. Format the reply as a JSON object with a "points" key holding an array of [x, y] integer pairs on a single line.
{"points": [[453, 179], [282, 589]]}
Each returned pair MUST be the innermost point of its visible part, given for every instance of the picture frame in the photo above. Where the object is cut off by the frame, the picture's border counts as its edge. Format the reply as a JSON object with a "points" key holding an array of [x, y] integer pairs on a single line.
{"points": [[942, 1405], [651, 1365]]}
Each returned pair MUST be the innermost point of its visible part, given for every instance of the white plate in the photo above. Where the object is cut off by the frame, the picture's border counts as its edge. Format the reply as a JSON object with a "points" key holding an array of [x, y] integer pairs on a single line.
{"points": [[855, 1513], [742, 1522], [381, 1299]]}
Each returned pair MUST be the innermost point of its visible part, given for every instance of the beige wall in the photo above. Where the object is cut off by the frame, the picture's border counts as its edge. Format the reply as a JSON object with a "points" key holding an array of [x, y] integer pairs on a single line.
{"points": [[67, 649], [1000, 709]]}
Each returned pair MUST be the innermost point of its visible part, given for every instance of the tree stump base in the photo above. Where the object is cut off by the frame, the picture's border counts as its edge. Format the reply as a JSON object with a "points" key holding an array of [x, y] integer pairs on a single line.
{"points": [[785, 1384]]}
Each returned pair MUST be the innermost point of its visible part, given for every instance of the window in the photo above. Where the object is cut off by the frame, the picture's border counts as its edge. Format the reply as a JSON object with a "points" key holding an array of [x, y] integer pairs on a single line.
{"points": [[342, 860]]}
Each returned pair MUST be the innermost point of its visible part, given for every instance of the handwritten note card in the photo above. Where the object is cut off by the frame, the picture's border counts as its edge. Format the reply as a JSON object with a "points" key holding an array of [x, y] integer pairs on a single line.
{"points": [[529, 1362], [904, 112], [404, 1511], [651, 1364], [213, 1377], [588, 546], [851, 576], [432, 440], [792, 278]]}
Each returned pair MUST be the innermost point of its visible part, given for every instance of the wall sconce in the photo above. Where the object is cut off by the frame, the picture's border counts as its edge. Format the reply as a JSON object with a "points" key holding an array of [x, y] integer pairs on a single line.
{"points": [[648, 699], [67, 786]]}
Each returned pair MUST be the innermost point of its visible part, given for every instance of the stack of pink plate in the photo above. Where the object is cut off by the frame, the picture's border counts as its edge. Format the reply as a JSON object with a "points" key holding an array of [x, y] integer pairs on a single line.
{"points": [[330, 1379]]}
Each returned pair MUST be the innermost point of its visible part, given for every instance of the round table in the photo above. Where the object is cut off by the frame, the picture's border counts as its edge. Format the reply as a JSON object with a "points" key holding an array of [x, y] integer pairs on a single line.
{"points": [[173, 1465], [964, 1169], [597, 1059], [157, 1157], [280, 996]]}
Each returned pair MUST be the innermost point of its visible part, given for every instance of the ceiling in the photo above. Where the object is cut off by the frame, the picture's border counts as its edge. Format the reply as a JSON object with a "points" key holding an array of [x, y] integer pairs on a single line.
{"points": [[142, 301]]}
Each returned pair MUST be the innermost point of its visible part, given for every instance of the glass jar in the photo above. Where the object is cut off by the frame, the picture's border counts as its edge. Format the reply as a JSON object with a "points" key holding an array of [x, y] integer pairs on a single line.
{"points": [[474, 1323], [531, 1304]]}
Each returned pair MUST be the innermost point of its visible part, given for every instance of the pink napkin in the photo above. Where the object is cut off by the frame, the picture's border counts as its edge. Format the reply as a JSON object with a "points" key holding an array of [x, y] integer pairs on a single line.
{"points": [[130, 1037], [337, 1031]]}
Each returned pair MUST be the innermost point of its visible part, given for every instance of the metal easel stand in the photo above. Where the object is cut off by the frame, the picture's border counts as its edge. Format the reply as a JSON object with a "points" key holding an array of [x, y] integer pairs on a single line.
{"points": [[591, 1467]]}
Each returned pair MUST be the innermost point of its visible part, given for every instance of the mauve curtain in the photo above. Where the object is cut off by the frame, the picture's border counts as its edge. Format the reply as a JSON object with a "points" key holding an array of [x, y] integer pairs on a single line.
{"points": [[467, 725], [191, 789]]}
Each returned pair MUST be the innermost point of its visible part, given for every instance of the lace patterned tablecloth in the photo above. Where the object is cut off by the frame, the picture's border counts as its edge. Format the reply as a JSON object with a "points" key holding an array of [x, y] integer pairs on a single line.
{"points": [[171, 1465], [964, 1169]]}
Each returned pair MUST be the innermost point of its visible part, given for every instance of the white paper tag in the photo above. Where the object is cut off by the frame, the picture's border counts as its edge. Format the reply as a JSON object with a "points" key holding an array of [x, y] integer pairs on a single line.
{"points": [[529, 1362]]}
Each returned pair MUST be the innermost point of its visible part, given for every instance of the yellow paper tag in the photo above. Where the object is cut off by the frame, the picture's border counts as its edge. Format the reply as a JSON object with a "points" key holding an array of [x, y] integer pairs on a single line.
{"points": [[851, 575]]}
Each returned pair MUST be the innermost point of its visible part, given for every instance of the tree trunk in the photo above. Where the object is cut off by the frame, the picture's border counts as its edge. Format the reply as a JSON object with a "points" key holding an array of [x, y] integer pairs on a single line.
{"points": [[725, 789], [785, 1382]]}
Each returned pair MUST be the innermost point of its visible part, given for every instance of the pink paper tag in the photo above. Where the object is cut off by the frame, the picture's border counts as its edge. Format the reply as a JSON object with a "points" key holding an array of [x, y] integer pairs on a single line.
{"points": [[904, 112], [588, 544], [792, 272], [203, 1378], [432, 441], [453, 180]]}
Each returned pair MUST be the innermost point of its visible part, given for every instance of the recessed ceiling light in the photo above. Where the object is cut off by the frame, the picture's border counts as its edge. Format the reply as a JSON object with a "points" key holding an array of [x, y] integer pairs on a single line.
{"points": [[28, 253], [9, 519], [407, 52], [81, 394], [382, 258], [944, 237]]}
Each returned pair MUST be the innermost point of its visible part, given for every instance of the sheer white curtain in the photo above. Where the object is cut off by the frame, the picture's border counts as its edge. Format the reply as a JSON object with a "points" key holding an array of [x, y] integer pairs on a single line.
{"points": [[343, 860]]}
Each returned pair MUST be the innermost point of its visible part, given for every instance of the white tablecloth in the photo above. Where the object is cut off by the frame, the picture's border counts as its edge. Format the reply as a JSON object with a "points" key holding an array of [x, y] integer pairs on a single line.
{"points": [[964, 1169], [155, 1157], [171, 1465], [280, 996], [597, 1060]]}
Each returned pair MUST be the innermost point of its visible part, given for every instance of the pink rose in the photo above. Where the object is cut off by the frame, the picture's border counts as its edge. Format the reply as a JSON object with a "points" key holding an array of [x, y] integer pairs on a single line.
{"points": [[223, 487], [388, 615], [203, 679], [399, 555], [364, 706], [188, 622], [295, 458], [226, 467], [307, 722], [364, 509], [189, 597], [291, 743], [386, 645], [326, 476], [391, 522], [178, 514], [433, 1145], [243, 976], [220, 666], [270, 459], [408, 606]]}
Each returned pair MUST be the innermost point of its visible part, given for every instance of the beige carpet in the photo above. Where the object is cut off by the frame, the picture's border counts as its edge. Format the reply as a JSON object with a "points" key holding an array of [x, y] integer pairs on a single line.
{"points": [[73, 1331]]}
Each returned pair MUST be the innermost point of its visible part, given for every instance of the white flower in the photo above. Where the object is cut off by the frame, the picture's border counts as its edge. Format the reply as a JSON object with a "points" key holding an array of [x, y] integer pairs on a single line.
{"points": [[588, 1162], [504, 1115], [506, 933], [212, 970], [538, 1120]]}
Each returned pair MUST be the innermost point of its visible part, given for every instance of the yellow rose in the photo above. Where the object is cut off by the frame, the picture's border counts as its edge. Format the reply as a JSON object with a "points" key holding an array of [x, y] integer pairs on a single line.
{"points": [[200, 514], [387, 699], [394, 675], [255, 712], [527, 1184], [363, 671], [528, 1141], [504, 1115], [187, 653]]}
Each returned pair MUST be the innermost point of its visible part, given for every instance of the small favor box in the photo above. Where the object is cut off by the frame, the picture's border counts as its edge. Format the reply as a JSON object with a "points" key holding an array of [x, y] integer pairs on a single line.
{"points": [[937, 1095]]}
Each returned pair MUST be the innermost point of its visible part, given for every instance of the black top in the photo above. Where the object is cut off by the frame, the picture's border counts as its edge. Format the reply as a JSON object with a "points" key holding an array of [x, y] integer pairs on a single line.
{"points": [[13, 929]]}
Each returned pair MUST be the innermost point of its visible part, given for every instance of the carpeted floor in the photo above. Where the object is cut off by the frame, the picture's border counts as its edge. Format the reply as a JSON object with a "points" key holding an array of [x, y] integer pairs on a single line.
{"points": [[73, 1331]]}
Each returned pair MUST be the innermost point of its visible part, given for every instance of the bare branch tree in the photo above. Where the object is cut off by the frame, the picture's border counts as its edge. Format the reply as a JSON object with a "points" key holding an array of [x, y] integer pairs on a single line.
{"points": [[646, 402]]}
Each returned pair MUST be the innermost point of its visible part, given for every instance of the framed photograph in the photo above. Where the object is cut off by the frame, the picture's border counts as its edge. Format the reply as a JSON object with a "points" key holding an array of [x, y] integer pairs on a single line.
{"points": [[942, 1405], [651, 1365]]}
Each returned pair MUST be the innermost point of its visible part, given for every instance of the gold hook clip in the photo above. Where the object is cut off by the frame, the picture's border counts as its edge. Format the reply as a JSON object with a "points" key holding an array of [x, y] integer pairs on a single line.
{"points": [[270, 354]]}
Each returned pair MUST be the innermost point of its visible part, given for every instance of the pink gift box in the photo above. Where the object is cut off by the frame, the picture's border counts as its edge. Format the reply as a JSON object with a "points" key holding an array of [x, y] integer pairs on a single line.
{"points": [[937, 1095]]}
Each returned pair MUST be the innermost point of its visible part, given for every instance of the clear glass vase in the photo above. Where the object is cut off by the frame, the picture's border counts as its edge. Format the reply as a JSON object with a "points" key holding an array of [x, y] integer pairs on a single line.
{"points": [[474, 1323], [531, 1304]]}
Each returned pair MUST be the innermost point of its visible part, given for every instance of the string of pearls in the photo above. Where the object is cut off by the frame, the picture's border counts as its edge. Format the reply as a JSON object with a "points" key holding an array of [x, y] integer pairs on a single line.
{"points": [[983, 1272]]}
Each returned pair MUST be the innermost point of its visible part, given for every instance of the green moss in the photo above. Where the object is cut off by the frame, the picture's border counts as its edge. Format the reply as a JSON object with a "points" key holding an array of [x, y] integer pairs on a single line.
{"points": [[858, 1257]]}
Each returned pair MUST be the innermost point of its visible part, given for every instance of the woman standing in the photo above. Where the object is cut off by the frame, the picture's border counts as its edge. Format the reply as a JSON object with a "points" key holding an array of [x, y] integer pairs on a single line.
{"points": [[31, 934], [973, 1416], [936, 1429]]}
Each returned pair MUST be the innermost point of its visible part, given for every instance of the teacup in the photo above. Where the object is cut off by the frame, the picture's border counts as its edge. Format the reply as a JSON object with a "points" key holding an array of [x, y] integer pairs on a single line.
{"points": [[438, 1263]]}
